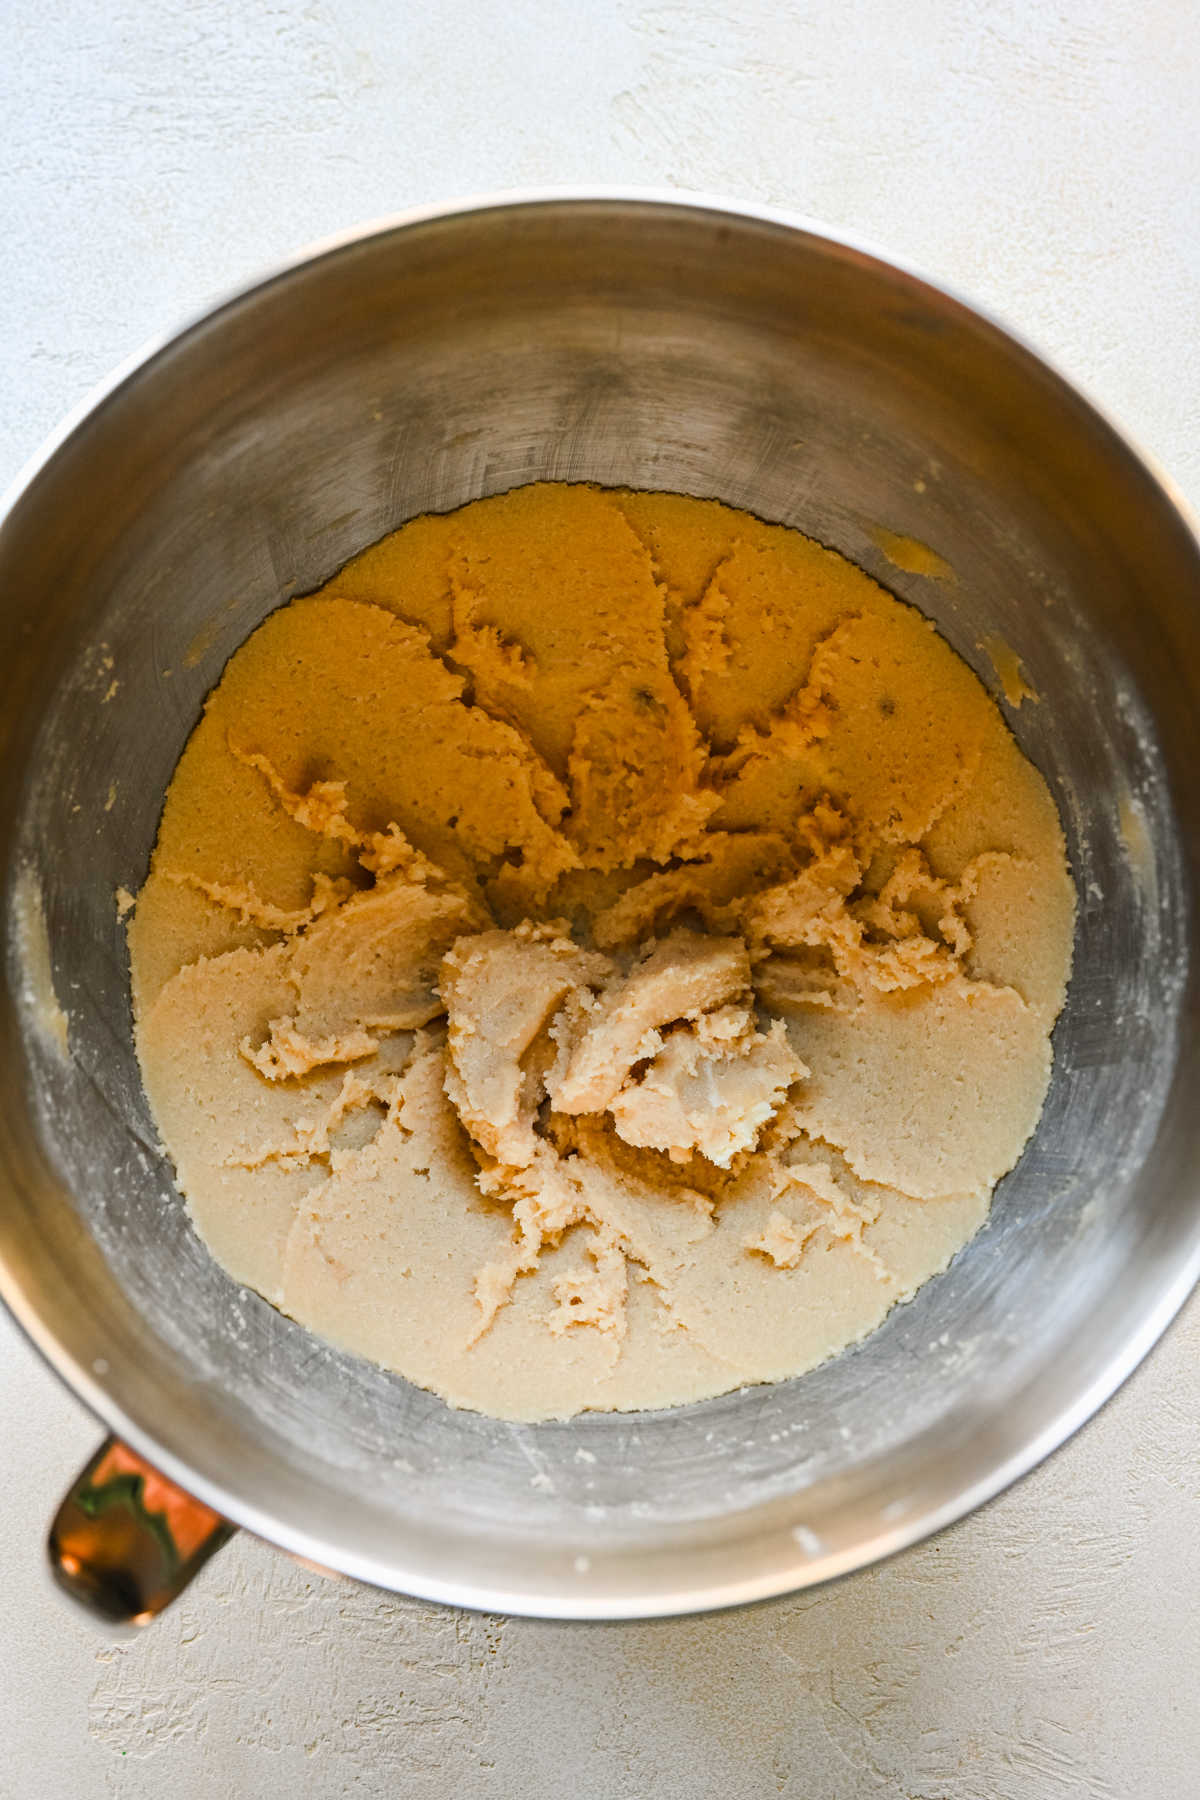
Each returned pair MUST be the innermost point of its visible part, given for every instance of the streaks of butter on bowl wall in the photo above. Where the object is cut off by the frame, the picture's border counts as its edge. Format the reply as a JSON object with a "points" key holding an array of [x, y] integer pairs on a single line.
{"points": [[1138, 844], [600, 950], [911, 554], [1009, 670]]}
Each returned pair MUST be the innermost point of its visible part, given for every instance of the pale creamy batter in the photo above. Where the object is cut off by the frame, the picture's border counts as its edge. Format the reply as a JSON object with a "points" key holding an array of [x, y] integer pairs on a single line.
{"points": [[600, 950]]}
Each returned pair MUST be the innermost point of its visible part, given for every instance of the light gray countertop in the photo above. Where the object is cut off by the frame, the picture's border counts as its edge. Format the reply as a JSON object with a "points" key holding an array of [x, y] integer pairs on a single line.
{"points": [[1040, 154]]}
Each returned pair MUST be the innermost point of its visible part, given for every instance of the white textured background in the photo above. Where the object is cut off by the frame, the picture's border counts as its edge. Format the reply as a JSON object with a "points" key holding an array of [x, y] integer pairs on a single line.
{"points": [[1042, 154]]}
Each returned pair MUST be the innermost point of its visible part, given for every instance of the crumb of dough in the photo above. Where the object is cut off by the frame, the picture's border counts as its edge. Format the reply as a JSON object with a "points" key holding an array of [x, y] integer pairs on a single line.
{"points": [[599, 951], [783, 1239]]}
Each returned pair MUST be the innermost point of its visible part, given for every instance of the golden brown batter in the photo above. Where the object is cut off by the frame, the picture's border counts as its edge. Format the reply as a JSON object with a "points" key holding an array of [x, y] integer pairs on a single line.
{"points": [[599, 950]]}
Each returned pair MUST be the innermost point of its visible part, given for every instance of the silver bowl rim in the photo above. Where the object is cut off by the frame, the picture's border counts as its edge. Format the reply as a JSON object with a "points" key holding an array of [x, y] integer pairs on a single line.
{"points": [[788, 1573]]}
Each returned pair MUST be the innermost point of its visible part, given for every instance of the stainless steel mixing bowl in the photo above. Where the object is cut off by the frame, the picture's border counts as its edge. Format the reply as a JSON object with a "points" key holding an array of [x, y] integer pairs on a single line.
{"points": [[667, 344]]}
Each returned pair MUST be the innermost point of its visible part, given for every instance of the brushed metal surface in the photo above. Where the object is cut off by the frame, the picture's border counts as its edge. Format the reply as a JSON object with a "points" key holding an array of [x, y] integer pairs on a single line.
{"points": [[659, 343]]}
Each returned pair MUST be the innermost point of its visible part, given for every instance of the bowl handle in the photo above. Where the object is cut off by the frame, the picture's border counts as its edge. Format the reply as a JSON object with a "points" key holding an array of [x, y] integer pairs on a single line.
{"points": [[126, 1541]]}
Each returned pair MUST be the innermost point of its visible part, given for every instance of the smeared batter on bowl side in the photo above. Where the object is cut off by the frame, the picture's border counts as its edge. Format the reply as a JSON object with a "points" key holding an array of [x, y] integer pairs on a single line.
{"points": [[600, 950]]}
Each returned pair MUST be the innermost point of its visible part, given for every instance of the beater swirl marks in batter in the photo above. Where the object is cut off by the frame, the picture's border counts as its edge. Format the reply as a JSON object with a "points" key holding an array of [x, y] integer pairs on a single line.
{"points": [[600, 950]]}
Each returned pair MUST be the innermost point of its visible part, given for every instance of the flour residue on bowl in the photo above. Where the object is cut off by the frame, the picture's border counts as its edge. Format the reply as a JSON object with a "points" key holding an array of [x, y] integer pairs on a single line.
{"points": [[600, 950], [31, 944]]}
